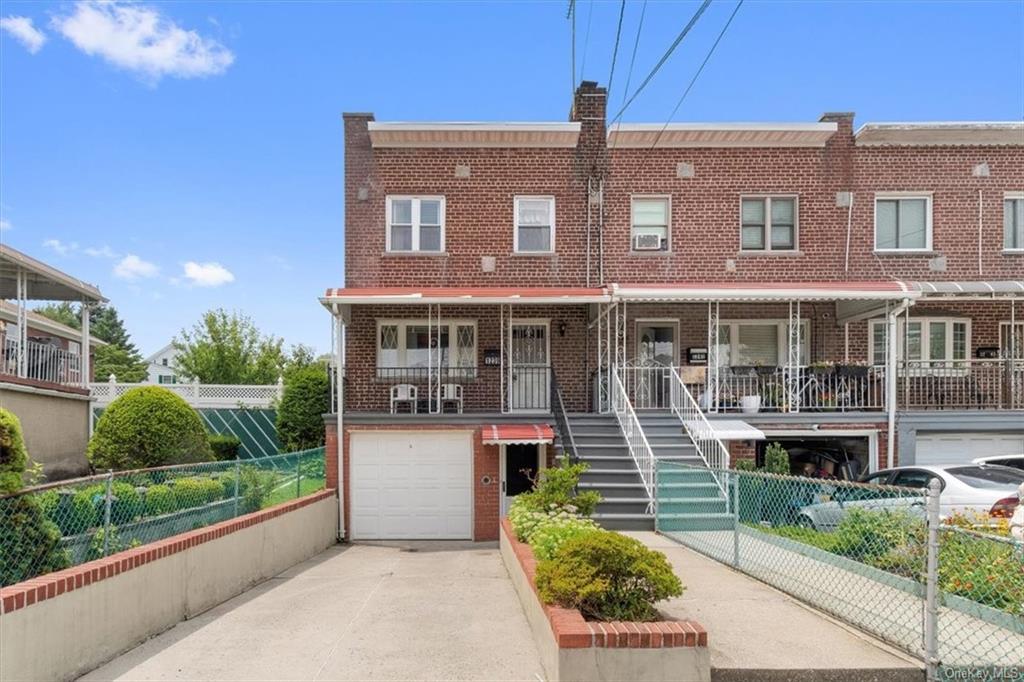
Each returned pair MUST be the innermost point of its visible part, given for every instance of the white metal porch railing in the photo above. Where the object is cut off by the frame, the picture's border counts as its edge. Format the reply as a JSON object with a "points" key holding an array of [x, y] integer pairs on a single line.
{"points": [[43, 362], [639, 448], [197, 394], [996, 384], [710, 448]]}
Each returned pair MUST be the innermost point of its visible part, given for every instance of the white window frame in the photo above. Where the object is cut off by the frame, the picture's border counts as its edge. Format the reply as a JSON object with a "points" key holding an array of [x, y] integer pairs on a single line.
{"points": [[1012, 196], [926, 322], [782, 331], [896, 196], [404, 323], [515, 219], [415, 199], [767, 199], [668, 224]]}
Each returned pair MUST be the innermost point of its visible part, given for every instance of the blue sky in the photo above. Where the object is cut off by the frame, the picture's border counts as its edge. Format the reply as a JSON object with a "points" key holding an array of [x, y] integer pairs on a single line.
{"points": [[185, 156]]}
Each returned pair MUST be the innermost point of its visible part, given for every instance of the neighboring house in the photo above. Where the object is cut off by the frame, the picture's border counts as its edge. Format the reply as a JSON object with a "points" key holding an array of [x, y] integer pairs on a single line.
{"points": [[852, 293], [160, 366], [44, 369]]}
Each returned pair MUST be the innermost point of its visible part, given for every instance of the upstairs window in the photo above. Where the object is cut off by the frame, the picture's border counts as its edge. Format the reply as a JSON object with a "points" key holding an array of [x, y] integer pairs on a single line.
{"points": [[1013, 222], [535, 225], [903, 223], [650, 228], [415, 224], [768, 224]]}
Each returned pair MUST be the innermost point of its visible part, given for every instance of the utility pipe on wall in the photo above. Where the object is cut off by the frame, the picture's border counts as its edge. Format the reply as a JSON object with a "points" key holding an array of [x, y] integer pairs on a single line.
{"points": [[590, 192], [339, 409], [980, 221], [849, 231]]}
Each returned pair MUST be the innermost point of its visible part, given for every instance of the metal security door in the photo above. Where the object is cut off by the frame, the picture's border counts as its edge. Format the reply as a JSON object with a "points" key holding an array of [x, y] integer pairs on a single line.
{"points": [[529, 371]]}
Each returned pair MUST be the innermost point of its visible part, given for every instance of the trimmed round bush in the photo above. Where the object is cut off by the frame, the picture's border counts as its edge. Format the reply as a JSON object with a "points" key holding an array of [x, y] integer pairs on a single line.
{"points": [[300, 415], [73, 512], [196, 491], [13, 456], [225, 447], [607, 576], [146, 427], [159, 500]]}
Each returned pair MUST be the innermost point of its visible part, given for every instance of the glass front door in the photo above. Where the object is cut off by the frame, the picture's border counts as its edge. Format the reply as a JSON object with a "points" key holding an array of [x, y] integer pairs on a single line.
{"points": [[530, 369], [656, 352]]}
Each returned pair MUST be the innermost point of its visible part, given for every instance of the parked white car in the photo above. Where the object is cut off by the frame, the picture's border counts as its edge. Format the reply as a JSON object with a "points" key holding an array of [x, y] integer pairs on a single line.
{"points": [[1015, 461], [985, 489]]}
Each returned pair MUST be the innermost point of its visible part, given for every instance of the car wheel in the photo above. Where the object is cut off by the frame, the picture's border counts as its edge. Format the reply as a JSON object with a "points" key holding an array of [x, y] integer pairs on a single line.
{"points": [[805, 521]]}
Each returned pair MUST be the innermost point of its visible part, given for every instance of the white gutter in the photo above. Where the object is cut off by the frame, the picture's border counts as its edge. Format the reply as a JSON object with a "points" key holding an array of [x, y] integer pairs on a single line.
{"points": [[399, 299], [759, 294], [339, 409]]}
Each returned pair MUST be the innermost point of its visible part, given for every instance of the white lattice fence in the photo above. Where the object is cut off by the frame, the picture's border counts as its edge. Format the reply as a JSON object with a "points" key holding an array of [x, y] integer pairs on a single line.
{"points": [[198, 395]]}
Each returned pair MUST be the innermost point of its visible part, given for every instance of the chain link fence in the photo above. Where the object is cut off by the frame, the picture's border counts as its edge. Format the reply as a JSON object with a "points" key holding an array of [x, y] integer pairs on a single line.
{"points": [[949, 591], [54, 526]]}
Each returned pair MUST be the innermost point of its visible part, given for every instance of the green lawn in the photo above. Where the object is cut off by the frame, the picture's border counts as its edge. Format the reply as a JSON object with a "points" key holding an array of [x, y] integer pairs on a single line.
{"points": [[286, 492]]}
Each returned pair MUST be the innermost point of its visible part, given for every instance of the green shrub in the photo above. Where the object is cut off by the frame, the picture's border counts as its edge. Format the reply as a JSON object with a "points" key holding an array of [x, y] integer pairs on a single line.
{"points": [[115, 544], [125, 505], [549, 537], [13, 456], [776, 460], [160, 500], [29, 542], [196, 491], [300, 415], [146, 427], [224, 446], [607, 576], [73, 512], [257, 486], [556, 486]]}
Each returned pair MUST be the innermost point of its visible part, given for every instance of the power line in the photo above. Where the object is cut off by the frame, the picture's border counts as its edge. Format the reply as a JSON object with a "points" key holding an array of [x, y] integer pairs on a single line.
{"points": [[586, 39], [615, 50], [571, 16], [696, 75], [636, 43], [668, 53]]}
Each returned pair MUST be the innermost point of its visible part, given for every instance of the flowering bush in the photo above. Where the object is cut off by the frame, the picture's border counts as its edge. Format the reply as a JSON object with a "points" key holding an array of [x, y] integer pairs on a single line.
{"points": [[557, 486], [550, 535]]}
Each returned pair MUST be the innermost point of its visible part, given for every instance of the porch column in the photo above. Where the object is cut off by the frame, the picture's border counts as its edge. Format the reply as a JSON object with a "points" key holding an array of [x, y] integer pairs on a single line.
{"points": [[711, 371], [22, 360], [890, 374], [501, 357], [1012, 361], [85, 359], [793, 369]]}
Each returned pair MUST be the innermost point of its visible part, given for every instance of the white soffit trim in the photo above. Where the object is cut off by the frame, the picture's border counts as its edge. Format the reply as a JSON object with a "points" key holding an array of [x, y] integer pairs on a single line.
{"points": [[796, 293], [953, 133], [473, 134], [678, 135]]}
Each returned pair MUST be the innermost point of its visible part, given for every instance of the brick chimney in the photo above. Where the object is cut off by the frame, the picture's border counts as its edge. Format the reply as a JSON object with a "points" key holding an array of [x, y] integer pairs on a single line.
{"points": [[589, 108], [362, 210], [838, 158]]}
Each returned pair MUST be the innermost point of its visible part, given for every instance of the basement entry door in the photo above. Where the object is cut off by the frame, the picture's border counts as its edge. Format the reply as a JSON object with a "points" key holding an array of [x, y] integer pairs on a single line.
{"points": [[411, 485]]}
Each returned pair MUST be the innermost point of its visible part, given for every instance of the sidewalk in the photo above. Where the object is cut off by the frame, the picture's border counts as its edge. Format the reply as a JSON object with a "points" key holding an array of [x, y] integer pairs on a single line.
{"points": [[758, 633]]}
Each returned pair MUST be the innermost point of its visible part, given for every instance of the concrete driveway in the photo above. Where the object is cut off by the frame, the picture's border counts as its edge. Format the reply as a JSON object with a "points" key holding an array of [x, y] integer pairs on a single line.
{"points": [[442, 611]]}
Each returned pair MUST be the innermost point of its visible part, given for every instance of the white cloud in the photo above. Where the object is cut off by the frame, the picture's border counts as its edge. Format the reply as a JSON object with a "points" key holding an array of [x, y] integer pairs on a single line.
{"points": [[139, 39], [22, 29], [207, 274], [100, 251], [5, 224], [59, 247], [131, 267]]}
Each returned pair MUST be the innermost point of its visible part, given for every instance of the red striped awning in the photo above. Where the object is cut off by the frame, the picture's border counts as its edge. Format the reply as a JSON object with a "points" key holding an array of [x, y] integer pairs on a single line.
{"points": [[517, 433]]}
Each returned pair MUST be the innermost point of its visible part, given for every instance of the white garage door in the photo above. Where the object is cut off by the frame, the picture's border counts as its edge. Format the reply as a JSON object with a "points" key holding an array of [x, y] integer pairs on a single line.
{"points": [[959, 448], [407, 486]]}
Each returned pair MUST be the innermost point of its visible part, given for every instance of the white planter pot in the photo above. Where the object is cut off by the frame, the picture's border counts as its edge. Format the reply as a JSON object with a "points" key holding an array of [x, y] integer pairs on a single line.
{"points": [[750, 404]]}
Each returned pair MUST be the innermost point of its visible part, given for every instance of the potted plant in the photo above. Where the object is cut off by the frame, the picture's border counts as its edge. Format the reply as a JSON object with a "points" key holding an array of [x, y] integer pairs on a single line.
{"points": [[822, 367], [750, 404], [853, 370]]}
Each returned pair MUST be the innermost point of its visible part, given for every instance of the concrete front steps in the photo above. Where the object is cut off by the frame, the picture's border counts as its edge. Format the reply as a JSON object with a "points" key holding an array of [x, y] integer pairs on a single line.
{"points": [[613, 473]]}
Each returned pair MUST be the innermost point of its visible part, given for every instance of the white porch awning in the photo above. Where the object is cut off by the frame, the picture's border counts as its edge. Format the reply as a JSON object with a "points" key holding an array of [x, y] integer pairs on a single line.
{"points": [[765, 291], [725, 429], [468, 295], [968, 290]]}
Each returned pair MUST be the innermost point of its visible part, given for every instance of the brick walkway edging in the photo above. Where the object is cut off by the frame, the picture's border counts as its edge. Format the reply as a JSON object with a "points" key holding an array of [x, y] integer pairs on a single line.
{"points": [[572, 631], [26, 593]]}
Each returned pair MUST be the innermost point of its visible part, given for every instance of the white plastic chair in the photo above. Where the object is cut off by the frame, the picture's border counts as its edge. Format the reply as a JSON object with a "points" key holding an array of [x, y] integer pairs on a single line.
{"points": [[451, 393], [404, 393]]}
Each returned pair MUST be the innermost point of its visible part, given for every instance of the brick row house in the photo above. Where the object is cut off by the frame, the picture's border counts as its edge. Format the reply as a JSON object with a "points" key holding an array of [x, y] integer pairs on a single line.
{"points": [[517, 289]]}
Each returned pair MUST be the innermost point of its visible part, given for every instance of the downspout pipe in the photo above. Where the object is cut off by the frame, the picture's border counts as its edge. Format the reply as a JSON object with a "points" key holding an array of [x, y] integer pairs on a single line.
{"points": [[890, 386], [339, 409]]}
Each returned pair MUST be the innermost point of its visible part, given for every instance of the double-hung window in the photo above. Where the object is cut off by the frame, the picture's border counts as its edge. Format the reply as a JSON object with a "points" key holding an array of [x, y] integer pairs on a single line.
{"points": [[534, 224], [747, 343], [923, 341], [903, 223], [415, 224], [411, 347], [1013, 222], [768, 223], [650, 223]]}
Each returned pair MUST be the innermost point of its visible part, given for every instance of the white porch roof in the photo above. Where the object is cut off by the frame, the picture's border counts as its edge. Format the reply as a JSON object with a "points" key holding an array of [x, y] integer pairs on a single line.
{"points": [[724, 429], [45, 283], [765, 291]]}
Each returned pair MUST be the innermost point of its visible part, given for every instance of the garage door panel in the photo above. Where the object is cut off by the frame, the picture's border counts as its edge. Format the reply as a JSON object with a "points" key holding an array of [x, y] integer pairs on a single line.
{"points": [[411, 485], [960, 448]]}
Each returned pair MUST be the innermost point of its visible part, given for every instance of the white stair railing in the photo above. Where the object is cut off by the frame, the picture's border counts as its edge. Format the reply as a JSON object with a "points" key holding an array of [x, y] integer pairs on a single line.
{"points": [[710, 448], [639, 448]]}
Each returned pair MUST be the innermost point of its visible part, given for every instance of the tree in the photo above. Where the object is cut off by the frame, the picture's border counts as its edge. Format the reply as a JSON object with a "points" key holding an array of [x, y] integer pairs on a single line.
{"points": [[120, 358], [228, 348], [299, 358], [300, 416]]}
